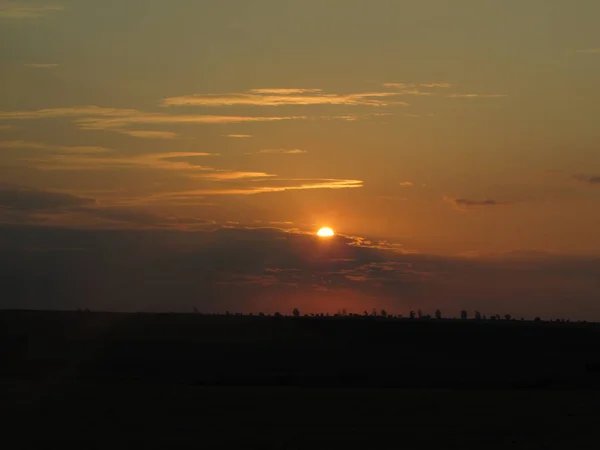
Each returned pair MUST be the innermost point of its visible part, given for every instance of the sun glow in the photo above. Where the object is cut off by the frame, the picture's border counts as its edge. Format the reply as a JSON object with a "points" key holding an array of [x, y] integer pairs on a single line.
{"points": [[325, 232]]}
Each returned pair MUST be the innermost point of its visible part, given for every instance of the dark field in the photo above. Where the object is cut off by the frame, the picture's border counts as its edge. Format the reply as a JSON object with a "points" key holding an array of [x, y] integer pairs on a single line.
{"points": [[96, 380]]}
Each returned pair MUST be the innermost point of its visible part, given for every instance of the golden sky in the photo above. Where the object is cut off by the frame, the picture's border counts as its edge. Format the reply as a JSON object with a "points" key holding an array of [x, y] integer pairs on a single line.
{"points": [[463, 128]]}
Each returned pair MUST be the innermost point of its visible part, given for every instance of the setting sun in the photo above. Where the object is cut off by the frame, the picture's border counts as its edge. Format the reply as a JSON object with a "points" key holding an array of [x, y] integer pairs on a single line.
{"points": [[325, 232]]}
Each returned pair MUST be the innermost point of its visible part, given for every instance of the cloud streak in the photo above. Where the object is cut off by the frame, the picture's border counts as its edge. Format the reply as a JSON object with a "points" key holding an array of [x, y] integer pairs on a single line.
{"points": [[590, 179], [150, 134], [477, 96], [119, 120], [282, 97], [262, 187], [284, 151], [53, 148], [12, 10], [465, 203]]}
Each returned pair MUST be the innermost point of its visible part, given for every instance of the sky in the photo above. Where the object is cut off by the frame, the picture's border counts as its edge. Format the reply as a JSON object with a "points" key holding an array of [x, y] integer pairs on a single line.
{"points": [[452, 146]]}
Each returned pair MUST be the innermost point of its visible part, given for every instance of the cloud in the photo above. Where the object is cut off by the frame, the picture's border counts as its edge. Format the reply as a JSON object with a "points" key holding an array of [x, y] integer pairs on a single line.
{"points": [[148, 134], [53, 148], [41, 66], [118, 120], [290, 151], [237, 136], [591, 179], [477, 95], [20, 205], [407, 184], [589, 50], [177, 161], [279, 97], [74, 111], [120, 124], [267, 185], [436, 85], [27, 199], [279, 91], [464, 203], [12, 10], [416, 85]]}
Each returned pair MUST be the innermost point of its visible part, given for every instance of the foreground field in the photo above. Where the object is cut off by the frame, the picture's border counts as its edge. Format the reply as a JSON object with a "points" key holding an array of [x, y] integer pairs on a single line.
{"points": [[165, 381], [120, 416]]}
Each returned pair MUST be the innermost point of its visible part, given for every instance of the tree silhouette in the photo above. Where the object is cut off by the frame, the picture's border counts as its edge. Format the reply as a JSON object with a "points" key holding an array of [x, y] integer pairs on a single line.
{"points": [[438, 314], [384, 313], [464, 315], [477, 315], [277, 314], [296, 312], [507, 317], [412, 314], [420, 314]]}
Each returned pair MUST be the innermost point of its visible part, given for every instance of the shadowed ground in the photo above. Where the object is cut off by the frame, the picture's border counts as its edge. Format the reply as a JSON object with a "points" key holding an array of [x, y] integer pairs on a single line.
{"points": [[111, 381]]}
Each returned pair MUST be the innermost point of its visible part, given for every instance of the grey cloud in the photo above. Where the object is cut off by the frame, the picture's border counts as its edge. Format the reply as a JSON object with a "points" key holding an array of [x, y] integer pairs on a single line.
{"points": [[465, 203], [591, 179], [26, 199]]}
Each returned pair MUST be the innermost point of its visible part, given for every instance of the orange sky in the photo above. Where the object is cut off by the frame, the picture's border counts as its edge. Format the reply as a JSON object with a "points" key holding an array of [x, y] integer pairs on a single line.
{"points": [[447, 128]]}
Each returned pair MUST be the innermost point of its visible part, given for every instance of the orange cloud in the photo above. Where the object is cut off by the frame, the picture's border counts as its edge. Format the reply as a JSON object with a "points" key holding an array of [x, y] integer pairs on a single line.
{"points": [[477, 95], [55, 148], [292, 151], [148, 134], [289, 185], [75, 111], [278, 97]]}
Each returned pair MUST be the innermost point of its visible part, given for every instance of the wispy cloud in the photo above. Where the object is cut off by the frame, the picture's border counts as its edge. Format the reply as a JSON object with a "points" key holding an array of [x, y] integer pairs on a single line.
{"points": [[408, 88], [120, 124], [237, 136], [591, 179], [183, 163], [407, 184], [279, 97], [55, 148], [589, 50], [12, 10], [436, 85], [286, 151], [477, 95], [284, 184], [74, 111], [41, 66], [464, 203], [284, 91], [148, 134], [118, 120]]}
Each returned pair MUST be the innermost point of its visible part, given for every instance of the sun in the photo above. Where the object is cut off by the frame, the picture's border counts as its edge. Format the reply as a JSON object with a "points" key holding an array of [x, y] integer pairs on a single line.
{"points": [[325, 232]]}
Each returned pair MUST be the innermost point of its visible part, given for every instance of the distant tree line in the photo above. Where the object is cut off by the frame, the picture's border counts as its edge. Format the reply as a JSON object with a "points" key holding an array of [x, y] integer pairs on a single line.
{"points": [[383, 314]]}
